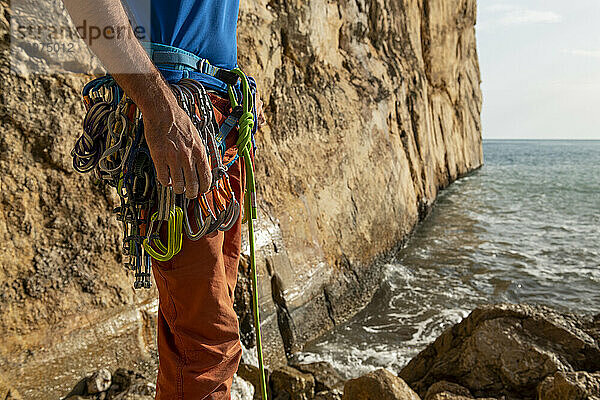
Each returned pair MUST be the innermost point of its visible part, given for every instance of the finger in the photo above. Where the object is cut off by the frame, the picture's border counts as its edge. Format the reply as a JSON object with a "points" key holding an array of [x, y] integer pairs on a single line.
{"points": [[162, 172], [204, 177], [177, 179], [191, 180], [202, 170]]}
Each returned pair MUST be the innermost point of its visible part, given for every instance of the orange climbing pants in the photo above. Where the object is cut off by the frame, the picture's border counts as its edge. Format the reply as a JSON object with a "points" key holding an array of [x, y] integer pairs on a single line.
{"points": [[198, 336]]}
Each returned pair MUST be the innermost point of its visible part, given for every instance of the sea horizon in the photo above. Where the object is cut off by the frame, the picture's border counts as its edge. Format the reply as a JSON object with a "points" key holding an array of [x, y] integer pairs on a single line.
{"points": [[538, 140]]}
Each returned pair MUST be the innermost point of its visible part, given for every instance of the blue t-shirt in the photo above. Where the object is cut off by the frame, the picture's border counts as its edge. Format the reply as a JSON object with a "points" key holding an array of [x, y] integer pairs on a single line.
{"points": [[206, 28]]}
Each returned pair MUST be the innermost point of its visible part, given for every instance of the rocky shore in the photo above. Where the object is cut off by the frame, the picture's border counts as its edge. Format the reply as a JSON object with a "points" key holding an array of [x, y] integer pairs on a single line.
{"points": [[504, 351]]}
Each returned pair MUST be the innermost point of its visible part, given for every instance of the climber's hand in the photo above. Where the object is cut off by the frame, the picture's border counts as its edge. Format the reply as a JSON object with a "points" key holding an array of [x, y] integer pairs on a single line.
{"points": [[177, 150]]}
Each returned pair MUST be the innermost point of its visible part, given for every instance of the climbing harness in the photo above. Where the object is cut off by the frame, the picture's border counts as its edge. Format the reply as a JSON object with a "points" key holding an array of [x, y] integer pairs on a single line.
{"points": [[113, 148]]}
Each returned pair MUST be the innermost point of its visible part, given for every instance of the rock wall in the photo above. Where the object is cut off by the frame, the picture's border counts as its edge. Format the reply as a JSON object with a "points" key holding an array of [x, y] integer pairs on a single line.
{"points": [[372, 107]]}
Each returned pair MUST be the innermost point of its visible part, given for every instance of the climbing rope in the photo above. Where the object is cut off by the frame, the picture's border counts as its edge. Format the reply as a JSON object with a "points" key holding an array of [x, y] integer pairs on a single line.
{"points": [[113, 147], [244, 145]]}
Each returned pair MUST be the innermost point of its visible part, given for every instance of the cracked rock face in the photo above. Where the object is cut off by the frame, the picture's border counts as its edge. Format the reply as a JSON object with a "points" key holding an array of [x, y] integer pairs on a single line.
{"points": [[372, 107], [508, 350], [326, 377], [99, 381], [570, 386], [7, 392], [287, 383], [451, 391]]}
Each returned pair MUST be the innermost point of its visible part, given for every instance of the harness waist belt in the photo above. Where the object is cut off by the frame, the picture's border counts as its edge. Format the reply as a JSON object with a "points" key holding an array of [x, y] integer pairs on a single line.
{"points": [[164, 54]]}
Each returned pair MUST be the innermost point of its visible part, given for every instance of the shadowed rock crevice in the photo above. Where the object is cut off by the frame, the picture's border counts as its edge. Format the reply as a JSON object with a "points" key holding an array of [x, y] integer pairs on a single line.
{"points": [[329, 306], [285, 322]]}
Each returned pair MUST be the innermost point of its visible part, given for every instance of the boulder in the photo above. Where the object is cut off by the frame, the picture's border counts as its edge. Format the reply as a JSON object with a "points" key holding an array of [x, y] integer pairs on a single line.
{"points": [[130, 385], [378, 385], [122, 385], [99, 381], [126, 381], [449, 396], [334, 394], [241, 389], [137, 391], [326, 377], [506, 349], [447, 390], [593, 327], [251, 373], [80, 389], [570, 386], [288, 383], [134, 396]]}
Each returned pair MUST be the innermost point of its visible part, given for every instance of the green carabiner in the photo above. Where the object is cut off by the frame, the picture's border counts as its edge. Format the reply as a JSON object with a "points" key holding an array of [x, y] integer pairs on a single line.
{"points": [[174, 237]]}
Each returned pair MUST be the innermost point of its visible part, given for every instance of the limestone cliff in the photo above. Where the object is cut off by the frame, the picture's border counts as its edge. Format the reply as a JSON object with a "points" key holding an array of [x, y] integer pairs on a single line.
{"points": [[372, 107]]}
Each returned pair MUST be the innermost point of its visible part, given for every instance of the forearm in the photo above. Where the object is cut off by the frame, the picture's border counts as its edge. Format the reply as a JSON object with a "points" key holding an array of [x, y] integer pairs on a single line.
{"points": [[177, 150], [122, 54]]}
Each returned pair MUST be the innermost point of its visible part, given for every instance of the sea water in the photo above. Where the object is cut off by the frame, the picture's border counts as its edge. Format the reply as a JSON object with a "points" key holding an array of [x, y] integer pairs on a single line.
{"points": [[525, 228]]}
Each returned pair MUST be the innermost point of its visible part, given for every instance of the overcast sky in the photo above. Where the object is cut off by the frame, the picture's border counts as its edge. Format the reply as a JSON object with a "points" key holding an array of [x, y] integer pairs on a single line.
{"points": [[540, 67]]}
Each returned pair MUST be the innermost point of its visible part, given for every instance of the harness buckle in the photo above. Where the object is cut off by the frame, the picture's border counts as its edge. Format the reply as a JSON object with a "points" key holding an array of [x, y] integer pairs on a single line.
{"points": [[226, 76]]}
